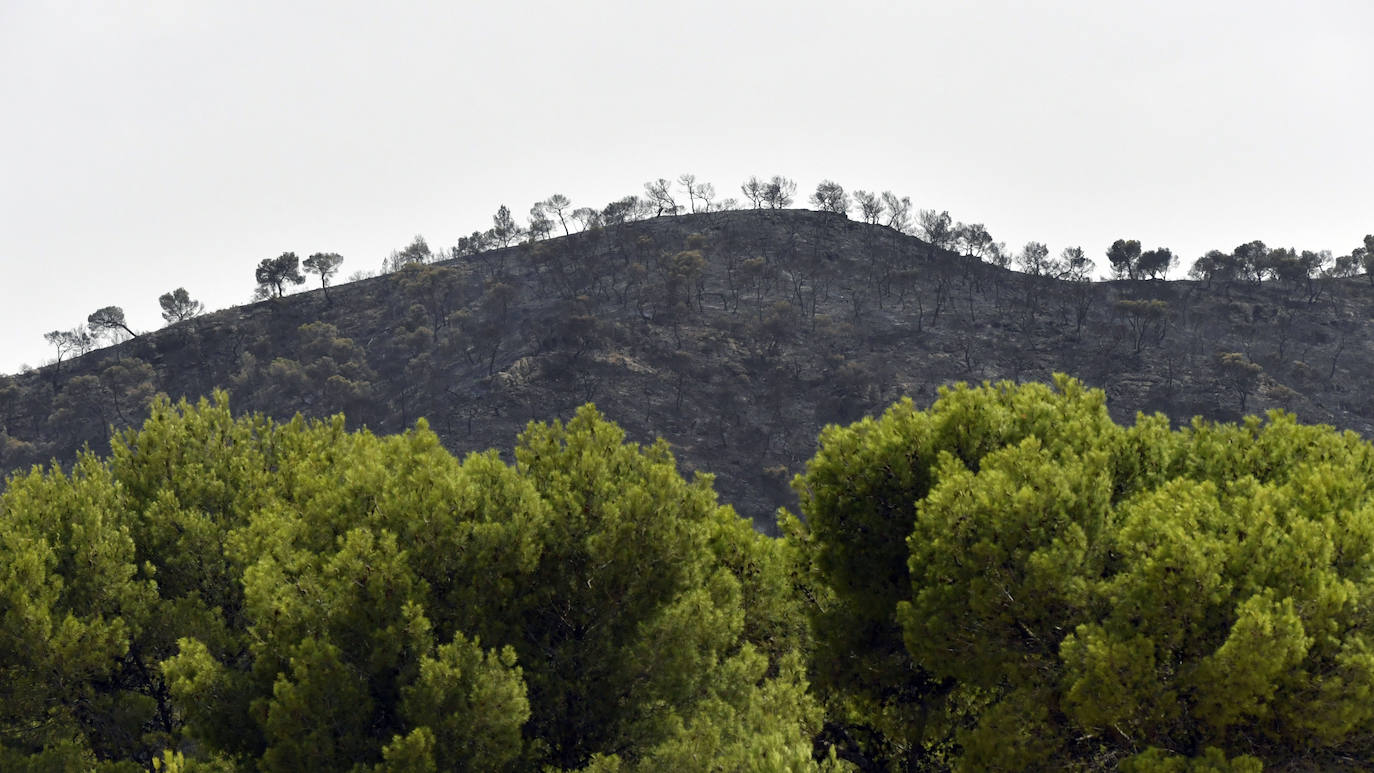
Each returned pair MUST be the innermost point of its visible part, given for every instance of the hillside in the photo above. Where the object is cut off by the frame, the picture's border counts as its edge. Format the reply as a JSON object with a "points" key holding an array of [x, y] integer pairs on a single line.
{"points": [[734, 335]]}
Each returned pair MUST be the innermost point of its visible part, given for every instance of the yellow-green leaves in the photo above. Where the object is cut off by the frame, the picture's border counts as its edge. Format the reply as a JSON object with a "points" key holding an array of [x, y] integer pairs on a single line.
{"points": [[472, 702], [1237, 681], [73, 608], [1008, 580], [634, 623], [294, 596], [1079, 591]]}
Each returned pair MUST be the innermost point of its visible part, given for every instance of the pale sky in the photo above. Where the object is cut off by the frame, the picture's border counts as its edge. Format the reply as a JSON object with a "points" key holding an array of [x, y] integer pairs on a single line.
{"points": [[152, 144]]}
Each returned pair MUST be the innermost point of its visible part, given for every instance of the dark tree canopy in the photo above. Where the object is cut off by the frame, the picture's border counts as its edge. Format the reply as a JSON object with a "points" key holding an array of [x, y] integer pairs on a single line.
{"points": [[973, 240], [558, 204], [325, 265], [937, 228], [1155, 264], [831, 197], [870, 206], [621, 211], [779, 192], [755, 190], [1077, 266], [1253, 260], [539, 225], [178, 305], [1363, 256], [504, 230], [274, 273], [1216, 266], [1124, 257], [898, 211], [1034, 259], [474, 244], [108, 320], [418, 251]]}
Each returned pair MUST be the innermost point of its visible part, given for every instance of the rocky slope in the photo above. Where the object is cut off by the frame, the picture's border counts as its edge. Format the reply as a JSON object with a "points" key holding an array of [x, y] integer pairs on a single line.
{"points": [[734, 335]]}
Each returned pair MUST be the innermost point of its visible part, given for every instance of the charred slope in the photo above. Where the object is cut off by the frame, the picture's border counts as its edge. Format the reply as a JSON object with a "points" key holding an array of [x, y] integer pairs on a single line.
{"points": [[734, 335]]}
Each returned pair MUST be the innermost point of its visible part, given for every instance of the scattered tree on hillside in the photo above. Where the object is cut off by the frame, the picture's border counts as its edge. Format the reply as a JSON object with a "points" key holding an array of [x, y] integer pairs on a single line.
{"points": [[118, 396], [478, 242], [703, 192], [689, 184], [336, 368], [1253, 260], [439, 290], [624, 210], [325, 264], [706, 192], [1155, 264], [178, 305], [870, 207], [557, 204], [1216, 266], [998, 255], [76, 341], [754, 190], [1077, 266], [540, 226], [273, 273], [660, 195], [1239, 376], [108, 321], [1147, 321], [830, 197], [898, 212], [1363, 257], [683, 273], [488, 327], [1123, 257], [974, 240], [779, 192], [937, 228], [1034, 259], [504, 230], [417, 251], [1349, 265], [1077, 269], [1036, 264], [1296, 267], [587, 218], [1302, 270]]}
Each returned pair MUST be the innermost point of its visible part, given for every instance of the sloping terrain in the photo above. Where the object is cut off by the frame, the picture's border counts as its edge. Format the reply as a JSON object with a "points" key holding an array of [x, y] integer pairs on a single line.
{"points": [[734, 335]]}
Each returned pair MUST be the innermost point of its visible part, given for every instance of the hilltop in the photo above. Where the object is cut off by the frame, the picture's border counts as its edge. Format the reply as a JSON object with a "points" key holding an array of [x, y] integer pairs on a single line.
{"points": [[734, 335]]}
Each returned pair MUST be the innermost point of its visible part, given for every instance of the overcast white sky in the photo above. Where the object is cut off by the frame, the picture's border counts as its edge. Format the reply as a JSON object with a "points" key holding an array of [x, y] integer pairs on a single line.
{"points": [[151, 144]]}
